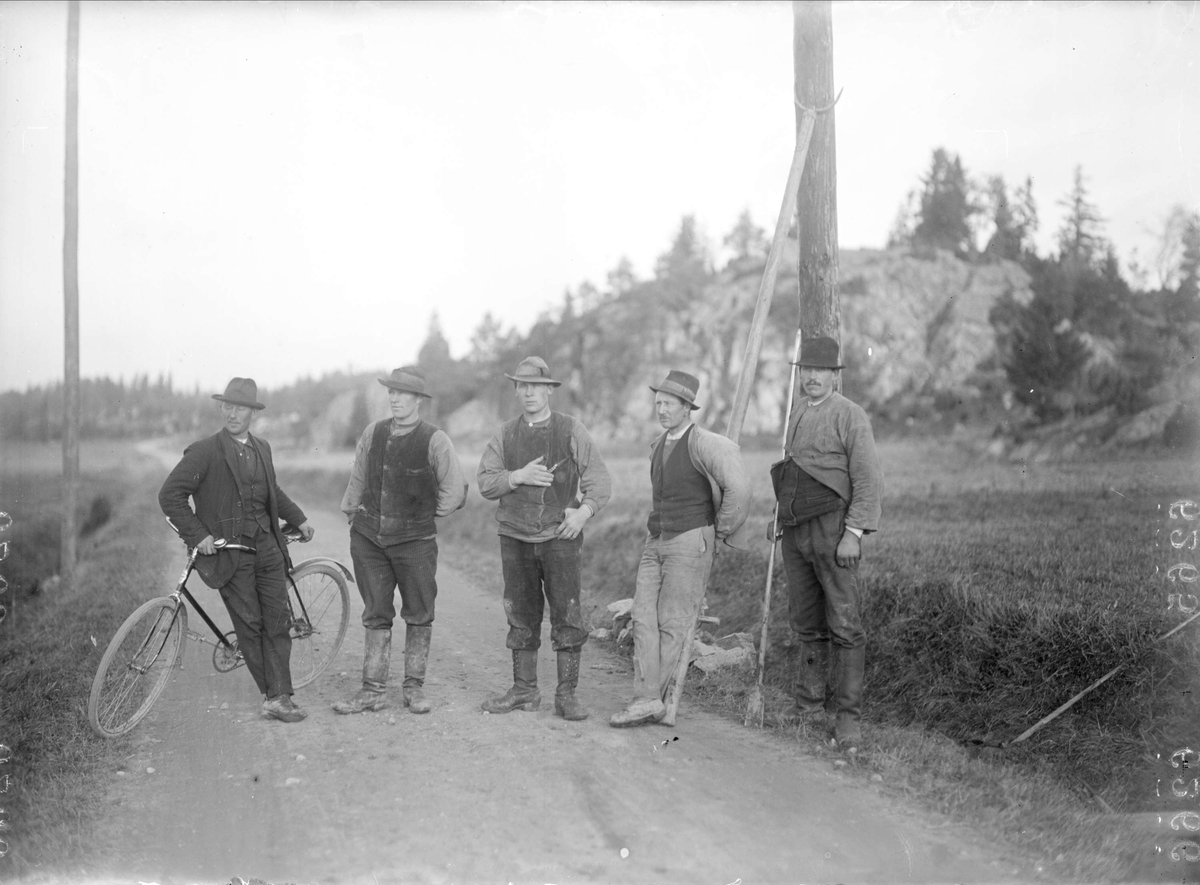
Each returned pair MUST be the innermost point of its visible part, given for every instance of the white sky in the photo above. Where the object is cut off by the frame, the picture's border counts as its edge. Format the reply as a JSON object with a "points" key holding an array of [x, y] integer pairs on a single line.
{"points": [[283, 189]]}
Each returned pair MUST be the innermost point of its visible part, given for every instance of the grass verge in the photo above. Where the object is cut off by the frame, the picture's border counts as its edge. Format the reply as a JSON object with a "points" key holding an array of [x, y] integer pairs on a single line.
{"points": [[49, 652]]}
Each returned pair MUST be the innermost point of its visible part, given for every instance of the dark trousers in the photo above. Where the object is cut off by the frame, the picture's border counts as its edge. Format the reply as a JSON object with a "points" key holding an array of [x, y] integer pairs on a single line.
{"points": [[536, 573], [256, 597], [823, 598], [378, 571]]}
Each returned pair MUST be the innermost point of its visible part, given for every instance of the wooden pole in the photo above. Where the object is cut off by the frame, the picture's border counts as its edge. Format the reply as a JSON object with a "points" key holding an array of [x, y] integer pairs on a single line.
{"points": [[766, 289], [812, 46], [71, 398]]}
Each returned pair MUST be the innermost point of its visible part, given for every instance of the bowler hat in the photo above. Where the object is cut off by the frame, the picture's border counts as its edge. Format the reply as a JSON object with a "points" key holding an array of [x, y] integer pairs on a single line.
{"points": [[682, 385], [409, 379], [241, 392], [533, 370], [819, 353]]}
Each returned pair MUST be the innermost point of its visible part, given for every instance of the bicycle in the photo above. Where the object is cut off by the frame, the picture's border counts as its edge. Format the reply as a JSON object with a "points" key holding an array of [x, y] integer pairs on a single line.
{"points": [[137, 663]]}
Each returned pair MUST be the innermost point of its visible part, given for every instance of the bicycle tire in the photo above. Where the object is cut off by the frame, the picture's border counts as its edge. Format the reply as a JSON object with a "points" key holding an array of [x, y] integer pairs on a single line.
{"points": [[136, 666], [327, 601]]}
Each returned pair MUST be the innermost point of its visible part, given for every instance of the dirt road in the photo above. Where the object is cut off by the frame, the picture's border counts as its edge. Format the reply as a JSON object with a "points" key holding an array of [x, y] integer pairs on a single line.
{"points": [[211, 791]]}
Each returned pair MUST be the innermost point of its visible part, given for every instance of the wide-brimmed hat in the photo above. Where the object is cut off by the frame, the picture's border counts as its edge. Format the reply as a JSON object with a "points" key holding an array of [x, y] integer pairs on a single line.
{"points": [[819, 353], [241, 392], [533, 370], [682, 385], [409, 379]]}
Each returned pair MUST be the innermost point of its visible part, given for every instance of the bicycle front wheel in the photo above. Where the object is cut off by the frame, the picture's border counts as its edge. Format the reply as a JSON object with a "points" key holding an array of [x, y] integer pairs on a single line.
{"points": [[319, 624], [136, 666]]}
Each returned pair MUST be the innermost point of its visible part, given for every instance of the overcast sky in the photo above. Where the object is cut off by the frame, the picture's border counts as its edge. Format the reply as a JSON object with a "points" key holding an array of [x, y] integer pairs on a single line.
{"points": [[285, 189]]}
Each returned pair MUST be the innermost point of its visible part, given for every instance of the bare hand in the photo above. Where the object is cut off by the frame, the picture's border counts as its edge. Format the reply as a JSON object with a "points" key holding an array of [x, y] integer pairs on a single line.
{"points": [[206, 546], [573, 520], [849, 550], [307, 531], [533, 474], [774, 531]]}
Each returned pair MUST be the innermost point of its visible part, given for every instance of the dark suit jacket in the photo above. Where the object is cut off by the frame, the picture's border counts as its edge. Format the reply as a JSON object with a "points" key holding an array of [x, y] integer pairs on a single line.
{"points": [[208, 474]]}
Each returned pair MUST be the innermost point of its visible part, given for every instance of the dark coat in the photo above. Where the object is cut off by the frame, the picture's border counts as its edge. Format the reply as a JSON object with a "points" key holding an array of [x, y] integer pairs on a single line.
{"points": [[208, 474]]}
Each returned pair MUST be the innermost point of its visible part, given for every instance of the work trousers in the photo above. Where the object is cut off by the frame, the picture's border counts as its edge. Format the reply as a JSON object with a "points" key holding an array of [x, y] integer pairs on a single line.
{"points": [[378, 571], [536, 573], [823, 598], [256, 598], [670, 586]]}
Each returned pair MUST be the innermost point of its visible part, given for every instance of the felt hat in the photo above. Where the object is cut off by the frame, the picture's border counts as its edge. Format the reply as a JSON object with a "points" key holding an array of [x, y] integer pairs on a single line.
{"points": [[682, 385], [409, 379], [819, 353], [241, 392], [533, 370]]}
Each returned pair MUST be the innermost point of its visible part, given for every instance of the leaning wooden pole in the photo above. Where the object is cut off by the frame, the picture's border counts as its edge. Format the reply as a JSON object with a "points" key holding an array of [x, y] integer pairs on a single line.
{"points": [[71, 398]]}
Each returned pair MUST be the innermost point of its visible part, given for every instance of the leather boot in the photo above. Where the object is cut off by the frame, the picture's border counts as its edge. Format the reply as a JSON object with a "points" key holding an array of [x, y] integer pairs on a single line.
{"points": [[524, 693], [850, 665], [565, 703], [376, 660], [416, 653]]}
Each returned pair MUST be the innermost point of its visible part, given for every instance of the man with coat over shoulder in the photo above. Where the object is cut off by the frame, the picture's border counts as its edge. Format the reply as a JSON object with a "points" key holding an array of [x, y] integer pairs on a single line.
{"points": [[230, 477]]}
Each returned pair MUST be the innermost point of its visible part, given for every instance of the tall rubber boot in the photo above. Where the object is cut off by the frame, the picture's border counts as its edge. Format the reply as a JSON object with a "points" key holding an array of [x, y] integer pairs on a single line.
{"points": [[565, 703], [376, 661], [524, 693], [416, 653], [846, 729]]}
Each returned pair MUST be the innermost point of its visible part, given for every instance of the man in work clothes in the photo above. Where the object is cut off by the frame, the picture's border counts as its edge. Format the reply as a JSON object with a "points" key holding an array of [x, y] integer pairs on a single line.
{"points": [[549, 480], [701, 496], [829, 489], [231, 478], [405, 474]]}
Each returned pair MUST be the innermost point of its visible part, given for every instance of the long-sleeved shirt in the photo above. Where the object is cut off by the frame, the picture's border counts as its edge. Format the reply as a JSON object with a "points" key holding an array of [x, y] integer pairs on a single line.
{"points": [[451, 481], [595, 485], [832, 442]]}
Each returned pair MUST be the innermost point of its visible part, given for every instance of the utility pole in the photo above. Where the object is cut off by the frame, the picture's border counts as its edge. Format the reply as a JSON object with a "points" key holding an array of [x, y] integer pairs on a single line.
{"points": [[812, 48], [71, 398]]}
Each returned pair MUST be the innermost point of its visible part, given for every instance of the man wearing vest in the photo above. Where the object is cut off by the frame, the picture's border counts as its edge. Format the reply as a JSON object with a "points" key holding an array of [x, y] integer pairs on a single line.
{"points": [[230, 478], [549, 480], [405, 474], [701, 497], [829, 489]]}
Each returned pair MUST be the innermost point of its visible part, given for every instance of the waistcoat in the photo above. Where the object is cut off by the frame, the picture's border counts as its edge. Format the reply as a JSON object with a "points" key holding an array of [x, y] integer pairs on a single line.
{"points": [[531, 510], [401, 491], [682, 494]]}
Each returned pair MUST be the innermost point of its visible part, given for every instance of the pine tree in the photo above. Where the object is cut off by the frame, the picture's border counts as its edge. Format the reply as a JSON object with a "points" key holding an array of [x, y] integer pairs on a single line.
{"points": [[944, 216], [1081, 237]]}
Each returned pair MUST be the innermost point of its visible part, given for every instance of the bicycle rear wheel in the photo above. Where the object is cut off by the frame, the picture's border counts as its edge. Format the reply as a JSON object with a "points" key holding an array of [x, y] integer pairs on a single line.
{"points": [[319, 626], [136, 666]]}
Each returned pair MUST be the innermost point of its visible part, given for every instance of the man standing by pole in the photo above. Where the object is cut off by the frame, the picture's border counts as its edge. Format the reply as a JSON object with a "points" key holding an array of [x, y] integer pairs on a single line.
{"points": [[405, 474], [829, 490], [230, 477], [701, 496], [550, 480]]}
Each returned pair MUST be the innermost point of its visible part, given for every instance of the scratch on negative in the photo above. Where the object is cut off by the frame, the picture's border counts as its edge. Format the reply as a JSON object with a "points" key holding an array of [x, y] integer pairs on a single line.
{"points": [[907, 850], [1115, 492]]}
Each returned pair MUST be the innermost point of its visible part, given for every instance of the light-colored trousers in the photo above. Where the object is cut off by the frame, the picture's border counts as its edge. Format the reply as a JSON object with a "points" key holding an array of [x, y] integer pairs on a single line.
{"points": [[670, 584]]}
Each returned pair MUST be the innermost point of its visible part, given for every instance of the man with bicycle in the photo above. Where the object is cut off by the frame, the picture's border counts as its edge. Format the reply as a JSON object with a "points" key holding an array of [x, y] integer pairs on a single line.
{"points": [[405, 474], [230, 477]]}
